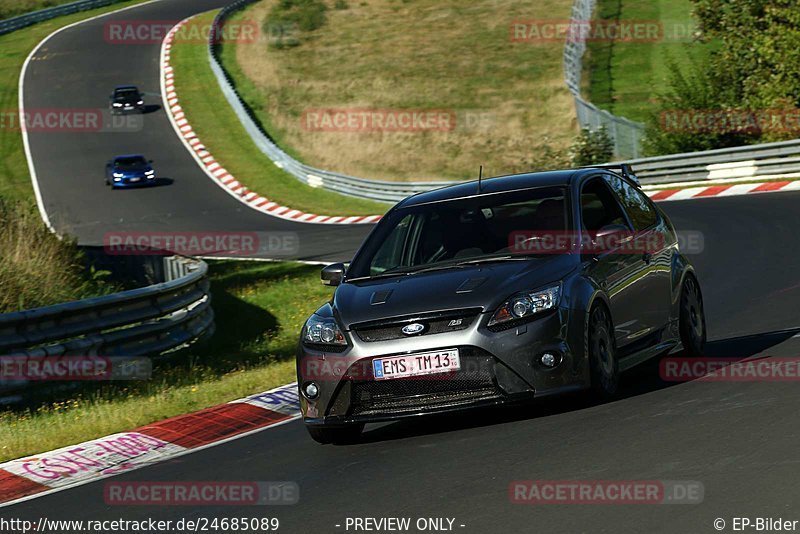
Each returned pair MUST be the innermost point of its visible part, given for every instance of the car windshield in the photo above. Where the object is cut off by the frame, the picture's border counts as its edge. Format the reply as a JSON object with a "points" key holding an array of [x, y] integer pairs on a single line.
{"points": [[470, 230], [126, 94], [132, 163]]}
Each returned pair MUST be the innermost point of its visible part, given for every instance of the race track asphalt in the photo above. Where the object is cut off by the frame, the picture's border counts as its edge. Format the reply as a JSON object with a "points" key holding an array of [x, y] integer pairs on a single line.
{"points": [[738, 439], [76, 70]]}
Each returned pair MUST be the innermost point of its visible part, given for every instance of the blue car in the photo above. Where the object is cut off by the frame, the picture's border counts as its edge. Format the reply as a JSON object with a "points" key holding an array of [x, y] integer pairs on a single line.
{"points": [[130, 171]]}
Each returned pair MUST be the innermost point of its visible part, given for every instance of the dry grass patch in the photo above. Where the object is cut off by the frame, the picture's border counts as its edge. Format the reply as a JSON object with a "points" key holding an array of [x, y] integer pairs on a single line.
{"points": [[513, 112]]}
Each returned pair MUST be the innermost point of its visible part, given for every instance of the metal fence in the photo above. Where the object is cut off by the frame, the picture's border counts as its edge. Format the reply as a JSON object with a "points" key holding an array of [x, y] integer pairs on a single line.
{"points": [[626, 134], [139, 322], [21, 21]]}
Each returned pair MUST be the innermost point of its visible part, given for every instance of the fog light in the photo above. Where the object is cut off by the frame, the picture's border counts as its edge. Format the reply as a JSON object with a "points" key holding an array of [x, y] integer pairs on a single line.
{"points": [[549, 359], [311, 390]]}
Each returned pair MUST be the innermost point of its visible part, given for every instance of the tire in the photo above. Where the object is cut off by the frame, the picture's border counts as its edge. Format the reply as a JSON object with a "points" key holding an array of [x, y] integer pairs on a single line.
{"points": [[603, 363], [336, 435], [692, 319]]}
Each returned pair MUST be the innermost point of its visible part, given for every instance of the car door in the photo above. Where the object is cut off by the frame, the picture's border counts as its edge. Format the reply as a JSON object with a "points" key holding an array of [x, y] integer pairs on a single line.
{"points": [[652, 244], [618, 272]]}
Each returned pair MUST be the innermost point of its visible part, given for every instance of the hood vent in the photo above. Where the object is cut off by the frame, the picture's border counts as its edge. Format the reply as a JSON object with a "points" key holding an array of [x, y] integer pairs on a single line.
{"points": [[380, 297], [470, 284]]}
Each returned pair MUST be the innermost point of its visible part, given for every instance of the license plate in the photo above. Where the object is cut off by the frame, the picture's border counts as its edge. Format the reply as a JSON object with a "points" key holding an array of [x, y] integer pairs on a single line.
{"points": [[427, 363], [135, 179]]}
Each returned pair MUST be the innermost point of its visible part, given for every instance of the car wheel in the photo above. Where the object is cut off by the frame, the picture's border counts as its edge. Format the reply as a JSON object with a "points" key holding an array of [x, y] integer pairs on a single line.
{"points": [[603, 364], [692, 320], [337, 435]]}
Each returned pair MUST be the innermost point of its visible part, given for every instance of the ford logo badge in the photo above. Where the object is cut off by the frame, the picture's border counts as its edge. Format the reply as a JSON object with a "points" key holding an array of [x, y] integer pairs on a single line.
{"points": [[413, 328]]}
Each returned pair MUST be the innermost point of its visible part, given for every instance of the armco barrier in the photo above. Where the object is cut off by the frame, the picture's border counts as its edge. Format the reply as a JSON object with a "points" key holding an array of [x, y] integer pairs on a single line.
{"points": [[771, 159], [139, 322], [21, 21]]}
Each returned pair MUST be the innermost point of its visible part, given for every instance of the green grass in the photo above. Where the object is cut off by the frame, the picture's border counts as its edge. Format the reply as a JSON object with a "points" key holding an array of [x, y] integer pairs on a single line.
{"points": [[38, 269], [221, 132], [260, 308], [626, 78], [12, 8], [15, 182]]}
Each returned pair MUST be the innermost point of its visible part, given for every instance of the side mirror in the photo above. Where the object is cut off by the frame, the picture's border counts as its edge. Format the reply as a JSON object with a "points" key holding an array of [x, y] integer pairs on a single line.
{"points": [[332, 275], [150, 161], [606, 239], [610, 230]]}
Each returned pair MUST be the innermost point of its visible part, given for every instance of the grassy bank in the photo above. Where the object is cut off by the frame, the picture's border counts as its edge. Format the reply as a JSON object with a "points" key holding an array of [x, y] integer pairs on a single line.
{"points": [[36, 268], [12, 8], [220, 130], [260, 308], [626, 78], [511, 109]]}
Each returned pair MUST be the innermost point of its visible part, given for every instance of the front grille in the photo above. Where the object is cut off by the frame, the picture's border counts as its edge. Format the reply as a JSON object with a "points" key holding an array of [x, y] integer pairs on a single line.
{"points": [[475, 381], [435, 323]]}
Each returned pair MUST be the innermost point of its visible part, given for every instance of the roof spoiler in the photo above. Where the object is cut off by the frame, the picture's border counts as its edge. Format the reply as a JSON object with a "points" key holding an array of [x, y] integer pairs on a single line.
{"points": [[624, 169]]}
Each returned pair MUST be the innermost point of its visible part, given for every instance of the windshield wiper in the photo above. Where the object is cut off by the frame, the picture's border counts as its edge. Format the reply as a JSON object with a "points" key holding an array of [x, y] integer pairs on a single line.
{"points": [[443, 266], [510, 257]]}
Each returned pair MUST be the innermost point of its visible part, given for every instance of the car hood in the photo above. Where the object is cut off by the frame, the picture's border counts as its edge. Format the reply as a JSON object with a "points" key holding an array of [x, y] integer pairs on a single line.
{"points": [[472, 286]]}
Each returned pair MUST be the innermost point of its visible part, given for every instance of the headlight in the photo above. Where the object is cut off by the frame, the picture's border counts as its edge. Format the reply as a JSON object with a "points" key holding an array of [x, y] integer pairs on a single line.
{"points": [[118, 175], [526, 304], [149, 173], [140, 102], [323, 331], [117, 105]]}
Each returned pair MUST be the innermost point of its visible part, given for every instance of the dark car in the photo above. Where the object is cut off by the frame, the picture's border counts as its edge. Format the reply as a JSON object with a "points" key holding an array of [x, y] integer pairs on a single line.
{"points": [[126, 99], [484, 293], [130, 171]]}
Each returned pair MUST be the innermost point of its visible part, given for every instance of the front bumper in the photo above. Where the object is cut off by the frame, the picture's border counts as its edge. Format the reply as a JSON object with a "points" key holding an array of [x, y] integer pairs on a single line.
{"points": [[127, 110], [496, 368], [127, 182]]}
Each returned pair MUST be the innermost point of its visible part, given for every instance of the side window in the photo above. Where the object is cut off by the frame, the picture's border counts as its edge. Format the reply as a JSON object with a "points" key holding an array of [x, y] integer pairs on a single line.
{"points": [[599, 207], [640, 209], [390, 255]]}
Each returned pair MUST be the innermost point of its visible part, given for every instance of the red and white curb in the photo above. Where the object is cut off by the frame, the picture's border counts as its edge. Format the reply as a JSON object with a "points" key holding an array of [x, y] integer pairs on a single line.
{"points": [[663, 194], [211, 166], [65, 468]]}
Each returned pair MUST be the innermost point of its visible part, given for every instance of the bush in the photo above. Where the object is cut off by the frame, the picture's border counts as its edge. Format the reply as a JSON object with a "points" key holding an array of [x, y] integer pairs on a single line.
{"points": [[288, 18], [749, 78], [38, 269], [591, 147]]}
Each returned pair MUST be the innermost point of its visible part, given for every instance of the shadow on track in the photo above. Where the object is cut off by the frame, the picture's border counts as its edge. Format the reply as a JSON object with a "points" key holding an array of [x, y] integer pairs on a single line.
{"points": [[640, 380]]}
